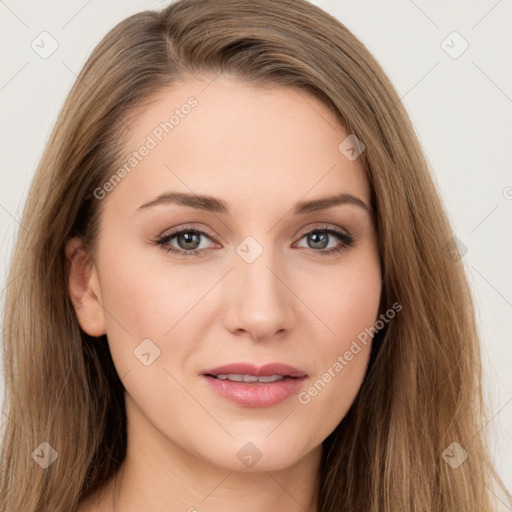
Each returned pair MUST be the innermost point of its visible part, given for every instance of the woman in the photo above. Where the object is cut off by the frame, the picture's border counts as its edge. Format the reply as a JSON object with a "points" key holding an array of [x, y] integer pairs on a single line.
{"points": [[233, 286]]}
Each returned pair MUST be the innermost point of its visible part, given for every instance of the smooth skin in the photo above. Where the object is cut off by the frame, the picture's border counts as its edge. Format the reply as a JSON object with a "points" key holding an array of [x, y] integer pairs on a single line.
{"points": [[261, 150]]}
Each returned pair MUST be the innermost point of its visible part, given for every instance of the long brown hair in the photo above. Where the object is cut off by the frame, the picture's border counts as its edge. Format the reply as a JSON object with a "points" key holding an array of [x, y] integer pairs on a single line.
{"points": [[422, 391]]}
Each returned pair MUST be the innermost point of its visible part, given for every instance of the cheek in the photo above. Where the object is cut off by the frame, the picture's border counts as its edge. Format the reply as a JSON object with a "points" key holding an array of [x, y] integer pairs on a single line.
{"points": [[346, 299], [148, 292], [349, 307]]}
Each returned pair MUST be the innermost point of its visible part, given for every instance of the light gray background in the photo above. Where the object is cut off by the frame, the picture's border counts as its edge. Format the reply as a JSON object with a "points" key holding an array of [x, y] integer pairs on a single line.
{"points": [[461, 109]]}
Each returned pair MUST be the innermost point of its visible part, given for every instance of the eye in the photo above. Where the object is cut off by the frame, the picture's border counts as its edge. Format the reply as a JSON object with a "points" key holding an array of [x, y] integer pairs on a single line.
{"points": [[319, 239], [188, 241]]}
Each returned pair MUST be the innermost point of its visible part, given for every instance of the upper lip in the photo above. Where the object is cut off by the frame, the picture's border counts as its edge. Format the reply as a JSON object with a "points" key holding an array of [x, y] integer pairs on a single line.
{"points": [[252, 369]]}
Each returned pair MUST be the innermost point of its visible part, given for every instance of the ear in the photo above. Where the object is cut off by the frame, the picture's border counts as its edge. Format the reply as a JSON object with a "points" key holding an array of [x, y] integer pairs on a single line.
{"points": [[84, 289]]}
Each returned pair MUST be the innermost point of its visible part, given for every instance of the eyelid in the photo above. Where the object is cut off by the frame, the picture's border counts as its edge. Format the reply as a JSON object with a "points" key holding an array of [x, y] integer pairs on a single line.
{"points": [[323, 227], [183, 227]]}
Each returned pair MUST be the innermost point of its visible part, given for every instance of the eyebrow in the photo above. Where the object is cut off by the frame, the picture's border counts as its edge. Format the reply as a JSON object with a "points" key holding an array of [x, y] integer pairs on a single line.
{"points": [[215, 205]]}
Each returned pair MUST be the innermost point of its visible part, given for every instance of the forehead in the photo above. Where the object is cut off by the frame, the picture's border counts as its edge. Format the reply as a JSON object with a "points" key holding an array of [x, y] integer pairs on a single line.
{"points": [[247, 144]]}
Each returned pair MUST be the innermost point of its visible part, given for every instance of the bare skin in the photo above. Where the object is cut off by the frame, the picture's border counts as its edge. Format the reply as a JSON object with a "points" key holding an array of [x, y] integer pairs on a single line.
{"points": [[261, 150]]}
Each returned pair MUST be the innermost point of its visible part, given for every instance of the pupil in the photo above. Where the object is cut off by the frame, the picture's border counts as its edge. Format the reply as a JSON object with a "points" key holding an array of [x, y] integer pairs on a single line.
{"points": [[188, 238], [315, 236]]}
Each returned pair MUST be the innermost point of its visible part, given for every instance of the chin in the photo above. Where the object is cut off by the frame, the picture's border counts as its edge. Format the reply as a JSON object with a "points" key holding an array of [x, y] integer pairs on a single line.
{"points": [[257, 455]]}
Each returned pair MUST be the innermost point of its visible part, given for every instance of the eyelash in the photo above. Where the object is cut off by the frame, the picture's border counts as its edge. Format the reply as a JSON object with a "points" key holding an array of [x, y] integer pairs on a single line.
{"points": [[346, 239]]}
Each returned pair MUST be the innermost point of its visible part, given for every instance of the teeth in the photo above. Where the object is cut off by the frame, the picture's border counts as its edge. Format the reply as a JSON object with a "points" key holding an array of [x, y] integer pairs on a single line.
{"points": [[233, 377], [270, 378]]}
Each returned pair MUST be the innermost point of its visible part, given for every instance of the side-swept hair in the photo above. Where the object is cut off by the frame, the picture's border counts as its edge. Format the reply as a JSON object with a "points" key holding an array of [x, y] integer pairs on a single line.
{"points": [[422, 390]]}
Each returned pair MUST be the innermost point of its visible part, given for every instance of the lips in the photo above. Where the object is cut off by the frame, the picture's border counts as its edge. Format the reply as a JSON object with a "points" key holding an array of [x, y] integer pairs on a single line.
{"points": [[255, 386], [266, 370]]}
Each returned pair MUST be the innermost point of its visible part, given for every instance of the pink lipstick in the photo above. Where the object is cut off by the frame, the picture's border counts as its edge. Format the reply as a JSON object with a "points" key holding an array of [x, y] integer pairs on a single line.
{"points": [[255, 386]]}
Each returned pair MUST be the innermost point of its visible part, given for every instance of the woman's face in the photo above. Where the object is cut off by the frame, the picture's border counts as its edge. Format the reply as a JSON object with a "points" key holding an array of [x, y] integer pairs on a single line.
{"points": [[254, 279]]}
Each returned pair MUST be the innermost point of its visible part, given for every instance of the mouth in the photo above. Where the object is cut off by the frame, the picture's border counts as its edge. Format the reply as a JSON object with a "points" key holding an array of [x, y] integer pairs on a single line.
{"points": [[252, 379], [255, 386]]}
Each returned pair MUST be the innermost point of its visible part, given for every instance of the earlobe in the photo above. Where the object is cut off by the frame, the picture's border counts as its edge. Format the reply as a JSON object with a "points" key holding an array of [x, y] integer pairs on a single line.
{"points": [[84, 289]]}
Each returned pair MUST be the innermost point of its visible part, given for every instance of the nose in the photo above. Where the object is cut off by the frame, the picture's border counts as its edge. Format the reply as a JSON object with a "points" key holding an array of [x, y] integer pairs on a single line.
{"points": [[261, 303]]}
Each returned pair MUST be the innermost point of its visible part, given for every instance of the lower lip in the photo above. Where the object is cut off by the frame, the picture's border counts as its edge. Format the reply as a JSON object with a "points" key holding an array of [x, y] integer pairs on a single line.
{"points": [[261, 394]]}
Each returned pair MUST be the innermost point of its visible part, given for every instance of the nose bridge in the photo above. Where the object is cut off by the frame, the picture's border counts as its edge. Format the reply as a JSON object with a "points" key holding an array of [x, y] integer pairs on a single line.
{"points": [[259, 302]]}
